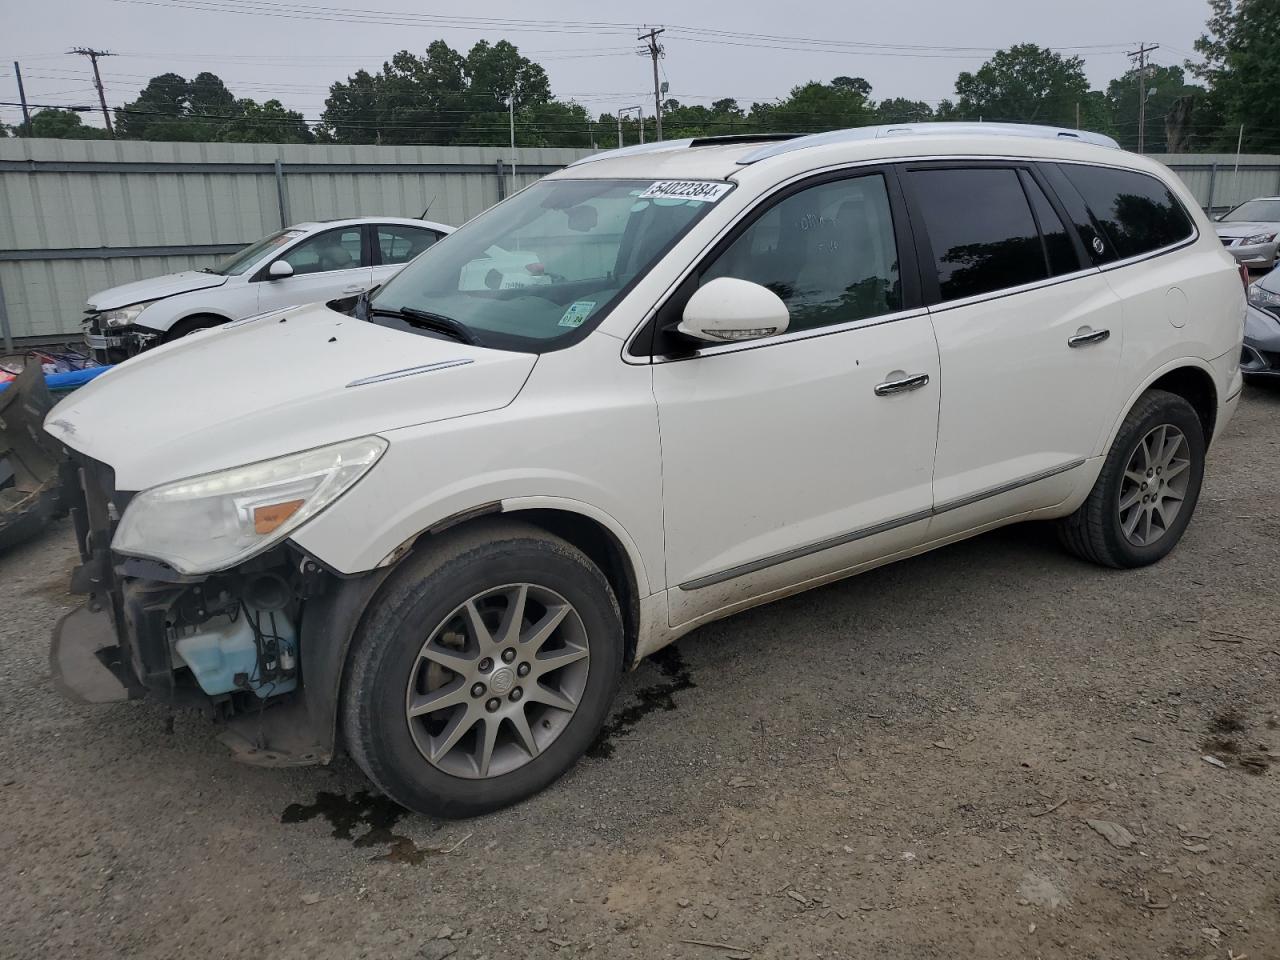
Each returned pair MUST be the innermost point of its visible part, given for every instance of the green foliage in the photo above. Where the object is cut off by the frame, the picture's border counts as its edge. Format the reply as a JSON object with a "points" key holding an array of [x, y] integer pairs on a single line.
{"points": [[172, 108], [1171, 102], [444, 97], [1241, 53], [902, 110], [63, 125], [814, 107], [1024, 84]]}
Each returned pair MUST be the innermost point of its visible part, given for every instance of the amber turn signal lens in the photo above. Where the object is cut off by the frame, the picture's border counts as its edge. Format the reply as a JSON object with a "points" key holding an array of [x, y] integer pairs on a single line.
{"points": [[266, 519]]}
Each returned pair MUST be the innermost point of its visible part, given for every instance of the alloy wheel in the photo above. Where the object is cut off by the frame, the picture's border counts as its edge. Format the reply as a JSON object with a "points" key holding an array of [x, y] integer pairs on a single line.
{"points": [[1154, 486], [497, 681]]}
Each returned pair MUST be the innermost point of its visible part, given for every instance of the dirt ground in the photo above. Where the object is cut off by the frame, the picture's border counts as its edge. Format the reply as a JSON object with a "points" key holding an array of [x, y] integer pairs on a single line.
{"points": [[992, 751]]}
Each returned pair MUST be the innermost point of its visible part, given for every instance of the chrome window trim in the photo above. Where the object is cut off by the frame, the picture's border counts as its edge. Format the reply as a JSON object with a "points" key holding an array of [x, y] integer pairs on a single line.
{"points": [[945, 305], [840, 540]]}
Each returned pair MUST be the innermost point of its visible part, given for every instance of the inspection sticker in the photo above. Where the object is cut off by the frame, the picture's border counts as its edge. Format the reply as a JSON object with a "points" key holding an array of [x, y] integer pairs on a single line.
{"points": [[578, 311], [703, 191]]}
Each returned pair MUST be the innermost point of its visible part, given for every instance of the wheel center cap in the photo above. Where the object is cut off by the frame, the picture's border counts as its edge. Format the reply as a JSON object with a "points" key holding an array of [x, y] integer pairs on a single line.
{"points": [[502, 680]]}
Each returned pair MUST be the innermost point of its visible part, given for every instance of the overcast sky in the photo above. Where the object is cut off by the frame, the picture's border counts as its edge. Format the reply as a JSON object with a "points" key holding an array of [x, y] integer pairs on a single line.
{"points": [[913, 49]]}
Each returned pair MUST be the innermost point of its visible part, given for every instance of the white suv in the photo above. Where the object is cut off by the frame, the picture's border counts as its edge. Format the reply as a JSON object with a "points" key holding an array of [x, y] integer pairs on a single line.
{"points": [[654, 389], [304, 263]]}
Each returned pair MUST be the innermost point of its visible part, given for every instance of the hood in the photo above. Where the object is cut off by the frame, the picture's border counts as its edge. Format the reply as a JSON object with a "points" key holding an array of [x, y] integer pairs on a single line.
{"points": [[271, 385], [1246, 228], [153, 289]]}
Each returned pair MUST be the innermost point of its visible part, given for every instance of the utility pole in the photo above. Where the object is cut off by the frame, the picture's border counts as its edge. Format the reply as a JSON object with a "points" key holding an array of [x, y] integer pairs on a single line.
{"points": [[22, 95], [1141, 56], [512, 104], [97, 80], [654, 50]]}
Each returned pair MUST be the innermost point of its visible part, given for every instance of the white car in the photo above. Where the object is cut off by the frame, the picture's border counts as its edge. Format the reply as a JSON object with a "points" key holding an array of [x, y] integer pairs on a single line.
{"points": [[305, 263], [434, 531]]}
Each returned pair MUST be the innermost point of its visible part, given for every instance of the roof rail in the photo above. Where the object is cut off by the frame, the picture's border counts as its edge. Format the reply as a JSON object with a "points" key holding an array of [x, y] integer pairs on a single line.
{"points": [[662, 146], [854, 134]]}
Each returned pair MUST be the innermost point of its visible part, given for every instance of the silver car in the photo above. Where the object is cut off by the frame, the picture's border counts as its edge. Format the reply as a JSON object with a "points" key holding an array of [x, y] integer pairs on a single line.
{"points": [[1260, 356], [1250, 232]]}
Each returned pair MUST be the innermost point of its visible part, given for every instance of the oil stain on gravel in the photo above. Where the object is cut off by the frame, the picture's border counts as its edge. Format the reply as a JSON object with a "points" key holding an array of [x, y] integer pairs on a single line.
{"points": [[659, 696], [362, 809], [1225, 727]]}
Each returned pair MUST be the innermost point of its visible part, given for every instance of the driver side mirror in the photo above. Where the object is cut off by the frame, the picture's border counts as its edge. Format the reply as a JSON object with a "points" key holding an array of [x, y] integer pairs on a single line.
{"points": [[729, 310], [279, 270]]}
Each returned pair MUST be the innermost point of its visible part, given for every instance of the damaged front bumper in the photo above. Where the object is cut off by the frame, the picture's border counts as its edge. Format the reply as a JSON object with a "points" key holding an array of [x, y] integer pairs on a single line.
{"points": [[234, 644], [117, 344]]}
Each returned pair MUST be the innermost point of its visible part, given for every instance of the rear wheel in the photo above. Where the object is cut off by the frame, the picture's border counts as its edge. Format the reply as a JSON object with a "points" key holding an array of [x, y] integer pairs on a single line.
{"points": [[486, 669], [1147, 490]]}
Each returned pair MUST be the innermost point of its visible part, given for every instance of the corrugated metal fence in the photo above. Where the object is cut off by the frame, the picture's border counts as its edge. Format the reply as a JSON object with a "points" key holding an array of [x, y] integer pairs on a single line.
{"points": [[79, 216]]}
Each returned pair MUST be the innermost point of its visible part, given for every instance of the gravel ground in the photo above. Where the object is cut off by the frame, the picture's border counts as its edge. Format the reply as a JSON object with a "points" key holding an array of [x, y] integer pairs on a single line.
{"points": [[926, 761]]}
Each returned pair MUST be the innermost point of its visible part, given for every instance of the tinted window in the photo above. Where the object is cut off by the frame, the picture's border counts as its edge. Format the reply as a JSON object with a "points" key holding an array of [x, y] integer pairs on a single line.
{"points": [[1095, 245], [400, 244], [1057, 245], [1137, 213], [980, 228], [828, 251], [331, 250]]}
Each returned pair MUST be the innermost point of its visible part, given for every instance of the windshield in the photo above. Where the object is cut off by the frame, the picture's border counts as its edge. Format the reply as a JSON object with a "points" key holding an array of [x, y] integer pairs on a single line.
{"points": [[536, 269], [238, 263], [1254, 210]]}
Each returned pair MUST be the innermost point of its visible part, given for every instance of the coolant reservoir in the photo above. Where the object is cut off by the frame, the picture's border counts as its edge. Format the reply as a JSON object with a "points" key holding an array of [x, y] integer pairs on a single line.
{"points": [[222, 648]]}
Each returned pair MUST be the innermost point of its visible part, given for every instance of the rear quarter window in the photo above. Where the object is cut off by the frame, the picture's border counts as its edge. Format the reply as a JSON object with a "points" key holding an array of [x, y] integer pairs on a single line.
{"points": [[1136, 213]]}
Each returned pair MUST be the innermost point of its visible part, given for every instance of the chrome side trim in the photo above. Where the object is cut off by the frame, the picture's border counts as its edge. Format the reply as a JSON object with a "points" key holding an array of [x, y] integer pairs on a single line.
{"points": [[970, 499], [410, 371], [798, 552], [862, 533]]}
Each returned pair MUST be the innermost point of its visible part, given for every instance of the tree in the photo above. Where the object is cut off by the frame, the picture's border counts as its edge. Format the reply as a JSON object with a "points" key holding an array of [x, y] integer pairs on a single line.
{"points": [[445, 97], [814, 107], [1167, 90], [63, 125], [902, 110], [1241, 50], [1024, 84], [159, 109], [856, 84], [267, 122]]}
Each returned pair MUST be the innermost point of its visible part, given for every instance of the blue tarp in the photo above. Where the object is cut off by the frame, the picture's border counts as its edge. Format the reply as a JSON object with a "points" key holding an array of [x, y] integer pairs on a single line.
{"points": [[69, 380]]}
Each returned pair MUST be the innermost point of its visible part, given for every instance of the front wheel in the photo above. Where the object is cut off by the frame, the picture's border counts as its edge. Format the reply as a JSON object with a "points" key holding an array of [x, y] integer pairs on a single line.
{"points": [[484, 671], [1148, 488]]}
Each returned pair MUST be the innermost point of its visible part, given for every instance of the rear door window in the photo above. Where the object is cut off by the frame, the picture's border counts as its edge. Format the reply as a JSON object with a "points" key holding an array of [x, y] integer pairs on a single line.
{"points": [[400, 244], [1136, 213], [980, 229]]}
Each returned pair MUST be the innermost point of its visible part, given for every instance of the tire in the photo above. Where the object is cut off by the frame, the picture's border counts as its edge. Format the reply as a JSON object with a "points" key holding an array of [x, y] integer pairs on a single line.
{"points": [[1096, 532], [425, 606], [190, 325]]}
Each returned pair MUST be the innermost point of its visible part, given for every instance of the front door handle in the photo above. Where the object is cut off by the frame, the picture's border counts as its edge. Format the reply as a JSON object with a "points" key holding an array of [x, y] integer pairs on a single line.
{"points": [[901, 385], [1084, 339]]}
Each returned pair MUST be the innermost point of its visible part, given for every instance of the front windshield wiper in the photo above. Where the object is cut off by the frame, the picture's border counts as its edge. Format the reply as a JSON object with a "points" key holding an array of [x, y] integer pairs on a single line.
{"points": [[431, 321], [210, 270]]}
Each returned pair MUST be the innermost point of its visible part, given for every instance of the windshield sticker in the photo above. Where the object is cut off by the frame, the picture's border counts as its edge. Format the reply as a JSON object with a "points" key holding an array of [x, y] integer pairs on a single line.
{"points": [[578, 311], [702, 191]]}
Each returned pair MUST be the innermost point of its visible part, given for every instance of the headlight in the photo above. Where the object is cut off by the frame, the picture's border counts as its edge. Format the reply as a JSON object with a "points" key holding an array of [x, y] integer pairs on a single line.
{"points": [[123, 316], [1260, 238], [1261, 298], [217, 520]]}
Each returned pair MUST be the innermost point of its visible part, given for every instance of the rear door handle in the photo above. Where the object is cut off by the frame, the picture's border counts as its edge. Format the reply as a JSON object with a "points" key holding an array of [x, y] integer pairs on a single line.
{"points": [[902, 385], [1084, 339]]}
